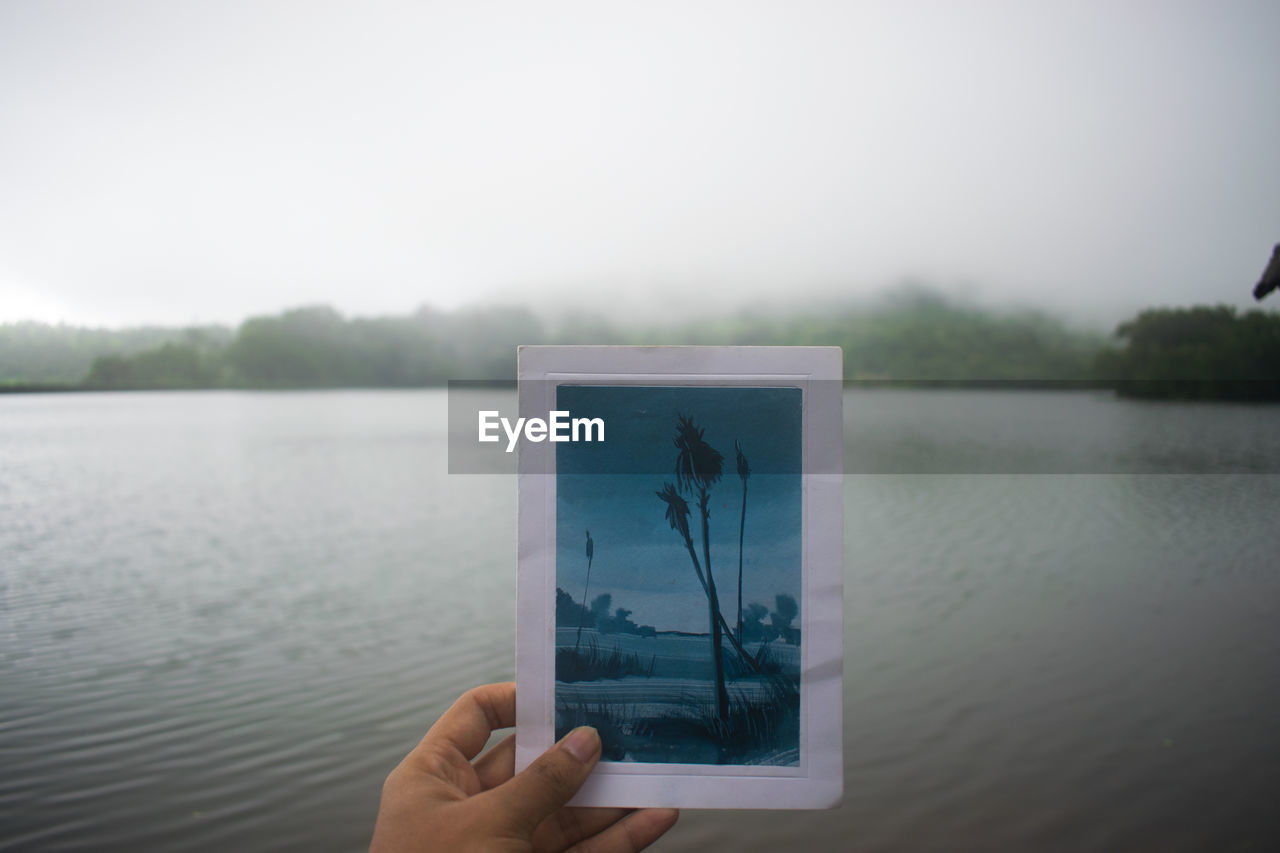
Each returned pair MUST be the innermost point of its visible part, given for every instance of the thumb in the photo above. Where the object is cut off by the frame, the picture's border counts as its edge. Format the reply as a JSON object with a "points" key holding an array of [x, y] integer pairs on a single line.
{"points": [[535, 793]]}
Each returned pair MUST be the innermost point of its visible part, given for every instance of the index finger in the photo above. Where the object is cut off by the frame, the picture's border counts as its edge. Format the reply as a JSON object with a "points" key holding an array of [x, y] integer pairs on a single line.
{"points": [[467, 724]]}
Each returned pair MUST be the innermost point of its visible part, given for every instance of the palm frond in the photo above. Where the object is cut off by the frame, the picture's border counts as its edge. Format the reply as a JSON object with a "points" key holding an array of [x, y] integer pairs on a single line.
{"points": [[677, 509], [697, 463]]}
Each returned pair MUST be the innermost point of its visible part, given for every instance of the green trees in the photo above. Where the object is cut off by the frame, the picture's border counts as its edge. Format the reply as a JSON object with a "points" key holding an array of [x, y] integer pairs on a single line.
{"points": [[911, 336], [172, 365], [34, 353], [1196, 353], [316, 347], [1206, 352], [309, 347]]}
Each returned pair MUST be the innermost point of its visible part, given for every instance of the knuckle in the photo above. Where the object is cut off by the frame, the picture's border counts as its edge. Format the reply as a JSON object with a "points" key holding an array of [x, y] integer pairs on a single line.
{"points": [[433, 764], [398, 786], [392, 782], [482, 698]]}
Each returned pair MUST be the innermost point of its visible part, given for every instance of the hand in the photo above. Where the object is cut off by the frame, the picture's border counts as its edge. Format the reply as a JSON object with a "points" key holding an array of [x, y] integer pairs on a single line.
{"points": [[437, 799]]}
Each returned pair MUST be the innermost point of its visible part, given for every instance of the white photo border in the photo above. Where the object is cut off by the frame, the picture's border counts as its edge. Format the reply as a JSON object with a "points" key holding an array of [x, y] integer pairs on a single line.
{"points": [[818, 780]]}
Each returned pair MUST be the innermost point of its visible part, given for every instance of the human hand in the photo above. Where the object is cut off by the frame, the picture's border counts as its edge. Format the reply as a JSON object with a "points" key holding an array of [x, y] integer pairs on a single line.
{"points": [[438, 799]]}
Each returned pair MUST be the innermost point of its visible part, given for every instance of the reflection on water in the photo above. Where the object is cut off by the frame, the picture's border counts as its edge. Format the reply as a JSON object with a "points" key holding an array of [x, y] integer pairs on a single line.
{"points": [[224, 617]]}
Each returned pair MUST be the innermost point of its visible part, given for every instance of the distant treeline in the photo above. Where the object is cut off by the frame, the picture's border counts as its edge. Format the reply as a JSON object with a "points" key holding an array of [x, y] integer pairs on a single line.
{"points": [[1206, 353], [601, 617], [915, 337], [42, 354], [571, 614]]}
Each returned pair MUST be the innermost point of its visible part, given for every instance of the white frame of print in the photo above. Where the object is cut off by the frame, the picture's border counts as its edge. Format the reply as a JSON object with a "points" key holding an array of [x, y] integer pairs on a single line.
{"points": [[818, 780]]}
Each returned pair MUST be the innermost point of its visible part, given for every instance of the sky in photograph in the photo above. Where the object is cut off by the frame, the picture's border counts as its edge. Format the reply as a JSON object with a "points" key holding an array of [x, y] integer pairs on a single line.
{"points": [[610, 488], [175, 162]]}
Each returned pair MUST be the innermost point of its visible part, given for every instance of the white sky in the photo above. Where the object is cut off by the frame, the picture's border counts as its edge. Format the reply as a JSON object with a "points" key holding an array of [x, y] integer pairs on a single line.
{"points": [[176, 161]]}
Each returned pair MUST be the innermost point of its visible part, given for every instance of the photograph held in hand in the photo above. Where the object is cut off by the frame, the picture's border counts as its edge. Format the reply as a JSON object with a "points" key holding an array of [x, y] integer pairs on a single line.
{"points": [[679, 582]]}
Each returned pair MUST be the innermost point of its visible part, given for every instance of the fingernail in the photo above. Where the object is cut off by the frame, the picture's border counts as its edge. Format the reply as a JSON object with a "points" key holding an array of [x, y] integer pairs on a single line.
{"points": [[582, 743]]}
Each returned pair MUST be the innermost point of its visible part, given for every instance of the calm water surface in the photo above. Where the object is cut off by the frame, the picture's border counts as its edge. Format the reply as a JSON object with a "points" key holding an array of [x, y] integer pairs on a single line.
{"points": [[224, 617]]}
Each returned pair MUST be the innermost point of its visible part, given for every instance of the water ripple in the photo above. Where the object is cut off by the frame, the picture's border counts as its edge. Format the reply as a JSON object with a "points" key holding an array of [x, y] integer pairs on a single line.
{"points": [[224, 618]]}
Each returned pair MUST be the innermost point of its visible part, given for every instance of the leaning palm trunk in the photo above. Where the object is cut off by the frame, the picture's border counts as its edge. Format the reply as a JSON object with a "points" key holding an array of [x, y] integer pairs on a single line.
{"points": [[678, 515], [713, 604], [745, 655]]}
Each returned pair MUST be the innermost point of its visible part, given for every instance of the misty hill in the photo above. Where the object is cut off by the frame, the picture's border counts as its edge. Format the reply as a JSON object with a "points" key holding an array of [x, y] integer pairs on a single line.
{"points": [[919, 335], [912, 336], [1198, 352]]}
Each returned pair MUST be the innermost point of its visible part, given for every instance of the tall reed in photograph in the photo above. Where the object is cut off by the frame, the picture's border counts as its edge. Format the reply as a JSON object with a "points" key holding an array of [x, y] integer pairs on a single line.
{"points": [[744, 471], [582, 614]]}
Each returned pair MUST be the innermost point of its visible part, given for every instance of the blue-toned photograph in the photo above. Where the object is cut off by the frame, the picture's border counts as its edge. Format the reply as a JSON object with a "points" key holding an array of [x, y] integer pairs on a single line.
{"points": [[678, 574]]}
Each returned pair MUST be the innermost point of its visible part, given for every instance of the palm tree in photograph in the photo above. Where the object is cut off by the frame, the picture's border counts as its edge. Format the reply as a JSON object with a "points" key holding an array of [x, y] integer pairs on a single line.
{"points": [[744, 471], [591, 547], [678, 516], [699, 467]]}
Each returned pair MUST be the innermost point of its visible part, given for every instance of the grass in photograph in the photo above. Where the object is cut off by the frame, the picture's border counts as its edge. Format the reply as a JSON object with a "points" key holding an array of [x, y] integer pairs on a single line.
{"points": [[759, 730], [766, 663], [585, 662], [756, 725]]}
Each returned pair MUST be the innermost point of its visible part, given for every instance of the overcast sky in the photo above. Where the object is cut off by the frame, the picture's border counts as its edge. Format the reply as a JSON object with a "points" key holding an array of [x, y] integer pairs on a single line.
{"points": [[175, 161]]}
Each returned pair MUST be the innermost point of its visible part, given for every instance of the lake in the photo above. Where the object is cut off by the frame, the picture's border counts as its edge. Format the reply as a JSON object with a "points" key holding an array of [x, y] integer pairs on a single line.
{"points": [[224, 617]]}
